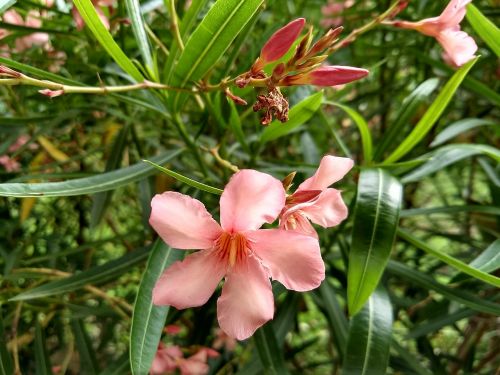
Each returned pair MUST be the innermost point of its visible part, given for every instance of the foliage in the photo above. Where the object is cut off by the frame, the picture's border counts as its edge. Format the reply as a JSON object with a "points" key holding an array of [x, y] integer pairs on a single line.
{"points": [[412, 274]]}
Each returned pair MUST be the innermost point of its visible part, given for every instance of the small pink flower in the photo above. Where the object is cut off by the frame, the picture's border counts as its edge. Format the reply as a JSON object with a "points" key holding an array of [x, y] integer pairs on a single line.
{"points": [[32, 20], [458, 45], [237, 250], [9, 164], [166, 359], [222, 340], [314, 201], [279, 43], [327, 76], [197, 363], [332, 12]]}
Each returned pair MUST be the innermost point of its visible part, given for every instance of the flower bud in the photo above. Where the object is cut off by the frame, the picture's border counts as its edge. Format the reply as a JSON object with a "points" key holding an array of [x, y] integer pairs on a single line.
{"points": [[8, 72], [327, 76], [51, 93], [281, 41]]}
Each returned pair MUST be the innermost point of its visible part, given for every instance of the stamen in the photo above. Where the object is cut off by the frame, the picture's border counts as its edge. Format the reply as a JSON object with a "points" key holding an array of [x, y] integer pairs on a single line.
{"points": [[231, 247]]}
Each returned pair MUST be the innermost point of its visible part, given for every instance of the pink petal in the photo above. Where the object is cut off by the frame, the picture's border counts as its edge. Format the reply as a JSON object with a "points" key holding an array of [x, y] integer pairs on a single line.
{"points": [[249, 200], [247, 300], [194, 365], [183, 222], [165, 359], [458, 45], [191, 282], [293, 259], [454, 13], [281, 41], [328, 210], [331, 169]]}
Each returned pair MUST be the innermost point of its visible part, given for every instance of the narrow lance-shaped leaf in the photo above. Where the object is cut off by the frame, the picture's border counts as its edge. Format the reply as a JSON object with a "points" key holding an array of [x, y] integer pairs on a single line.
{"points": [[88, 361], [91, 18], [376, 216], [209, 41], [268, 349], [366, 138], [88, 185], [458, 128], [447, 155], [432, 114], [42, 362], [484, 27], [134, 13], [5, 4], [299, 114], [370, 336], [148, 320], [94, 275], [455, 294], [448, 259]]}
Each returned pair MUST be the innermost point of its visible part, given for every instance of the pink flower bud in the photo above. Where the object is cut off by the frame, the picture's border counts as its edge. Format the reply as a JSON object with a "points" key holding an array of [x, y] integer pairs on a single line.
{"points": [[51, 93], [8, 72], [281, 41], [327, 76]]}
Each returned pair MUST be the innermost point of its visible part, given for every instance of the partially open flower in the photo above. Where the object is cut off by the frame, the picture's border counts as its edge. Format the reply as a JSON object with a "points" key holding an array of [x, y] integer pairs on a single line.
{"points": [[326, 76], [458, 45], [236, 250], [315, 201]]}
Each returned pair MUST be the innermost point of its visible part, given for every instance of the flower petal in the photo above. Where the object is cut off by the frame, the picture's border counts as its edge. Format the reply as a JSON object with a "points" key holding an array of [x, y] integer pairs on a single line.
{"points": [[453, 14], [191, 282], [331, 169], [249, 200], [183, 222], [247, 300], [458, 45], [328, 210], [293, 259], [295, 220]]}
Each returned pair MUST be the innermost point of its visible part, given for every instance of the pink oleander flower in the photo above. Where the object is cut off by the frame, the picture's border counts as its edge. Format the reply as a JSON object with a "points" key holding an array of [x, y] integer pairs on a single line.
{"points": [[169, 358], [315, 201], [236, 250], [9, 164], [458, 45], [279, 43], [32, 20], [332, 12], [222, 340], [327, 76]]}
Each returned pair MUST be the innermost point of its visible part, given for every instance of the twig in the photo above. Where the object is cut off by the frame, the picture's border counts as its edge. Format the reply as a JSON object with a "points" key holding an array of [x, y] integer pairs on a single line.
{"points": [[175, 24]]}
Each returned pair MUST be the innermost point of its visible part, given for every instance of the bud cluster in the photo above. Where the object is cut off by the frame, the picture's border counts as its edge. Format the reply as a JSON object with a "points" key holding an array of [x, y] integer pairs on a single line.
{"points": [[304, 67]]}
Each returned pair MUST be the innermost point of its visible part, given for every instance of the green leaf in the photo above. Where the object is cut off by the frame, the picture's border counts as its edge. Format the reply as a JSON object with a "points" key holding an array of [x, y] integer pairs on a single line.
{"points": [[186, 180], [88, 362], [447, 155], [101, 200], [6, 4], [370, 336], [411, 359], [209, 41], [335, 315], [6, 367], [96, 275], [425, 281], [269, 353], [474, 272], [92, 20], [376, 215], [235, 125], [486, 29], [450, 210], [42, 362], [366, 137], [434, 325], [135, 16], [459, 127], [489, 260], [432, 114], [88, 185], [408, 109], [148, 320], [299, 114]]}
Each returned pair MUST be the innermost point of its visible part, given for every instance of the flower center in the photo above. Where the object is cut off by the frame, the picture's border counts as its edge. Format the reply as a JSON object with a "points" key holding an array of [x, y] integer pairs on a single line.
{"points": [[231, 247]]}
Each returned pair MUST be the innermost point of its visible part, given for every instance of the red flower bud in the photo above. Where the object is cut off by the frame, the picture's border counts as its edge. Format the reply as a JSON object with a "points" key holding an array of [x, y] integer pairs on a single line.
{"points": [[51, 93], [281, 41], [327, 76]]}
